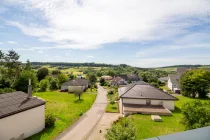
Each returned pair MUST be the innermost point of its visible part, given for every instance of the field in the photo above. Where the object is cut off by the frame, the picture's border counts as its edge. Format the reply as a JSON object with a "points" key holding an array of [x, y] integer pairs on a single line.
{"points": [[67, 110], [146, 128]]}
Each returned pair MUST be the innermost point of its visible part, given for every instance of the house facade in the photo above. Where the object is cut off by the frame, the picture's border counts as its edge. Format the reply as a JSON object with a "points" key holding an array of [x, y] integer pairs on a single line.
{"points": [[173, 82], [146, 99], [20, 116], [125, 79], [74, 84]]}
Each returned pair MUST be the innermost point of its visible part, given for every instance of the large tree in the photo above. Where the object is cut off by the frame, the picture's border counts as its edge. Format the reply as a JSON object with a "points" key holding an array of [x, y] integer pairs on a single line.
{"points": [[79, 91], [42, 73], [196, 114], [62, 78], [21, 83], [195, 82], [28, 65]]}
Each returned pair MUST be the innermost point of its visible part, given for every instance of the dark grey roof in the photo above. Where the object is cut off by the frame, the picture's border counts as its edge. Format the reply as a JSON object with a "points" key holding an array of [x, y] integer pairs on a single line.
{"points": [[126, 77], [76, 82], [16, 102], [195, 134], [142, 90], [174, 78]]}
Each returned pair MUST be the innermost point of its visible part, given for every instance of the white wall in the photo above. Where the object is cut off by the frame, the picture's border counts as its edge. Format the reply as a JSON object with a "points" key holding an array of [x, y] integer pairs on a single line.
{"points": [[169, 105], [134, 101], [64, 87], [74, 88], [28, 122], [156, 102], [170, 86]]}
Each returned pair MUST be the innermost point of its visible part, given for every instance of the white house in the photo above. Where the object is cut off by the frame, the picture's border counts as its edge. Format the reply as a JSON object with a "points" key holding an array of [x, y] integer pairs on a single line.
{"points": [[173, 82], [21, 115], [146, 99], [124, 79], [74, 84]]}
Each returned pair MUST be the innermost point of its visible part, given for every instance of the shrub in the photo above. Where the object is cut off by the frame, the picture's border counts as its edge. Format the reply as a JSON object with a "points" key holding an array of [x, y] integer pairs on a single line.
{"points": [[6, 90], [123, 129], [49, 120], [110, 92], [54, 84], [44, 84], [112, 102]]}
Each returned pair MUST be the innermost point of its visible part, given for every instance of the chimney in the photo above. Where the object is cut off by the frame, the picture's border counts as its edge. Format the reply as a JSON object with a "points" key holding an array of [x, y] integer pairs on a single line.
{"points": [[29, 89]]}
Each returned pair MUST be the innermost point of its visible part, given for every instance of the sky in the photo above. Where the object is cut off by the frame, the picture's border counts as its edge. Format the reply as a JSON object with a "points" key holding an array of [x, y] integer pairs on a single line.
{"points": [[141, 33]]}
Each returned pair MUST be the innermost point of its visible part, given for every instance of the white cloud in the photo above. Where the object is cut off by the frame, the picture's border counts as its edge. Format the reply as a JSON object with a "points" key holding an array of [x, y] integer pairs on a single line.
{"points": [[12, 42], [90, 56], [1, 43], [40, 51], [93, 23]]}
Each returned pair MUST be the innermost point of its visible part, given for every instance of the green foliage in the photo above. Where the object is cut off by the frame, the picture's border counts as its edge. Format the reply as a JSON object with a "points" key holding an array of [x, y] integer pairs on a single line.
{"points": [[49, 120], [56, 72], [99, 73], [92, 78], [62, 78], [5, 82], [111, 92], [196, 114], [102, 82], [42, 73], [71, 76], [28, 65], [110, 73], [78, 92], [6, 90], [21, 83], [44, 84], [195, 82], [122, 130], [54, 84]]}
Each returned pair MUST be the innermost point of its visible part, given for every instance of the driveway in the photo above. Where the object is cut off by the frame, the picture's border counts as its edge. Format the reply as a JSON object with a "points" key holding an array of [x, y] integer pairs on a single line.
{"points": [[103, 125], [81, 128]]}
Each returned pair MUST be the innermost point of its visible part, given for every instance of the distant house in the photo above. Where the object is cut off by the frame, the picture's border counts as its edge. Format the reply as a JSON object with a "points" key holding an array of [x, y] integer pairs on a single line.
{"points": [[125, 79], [173, 82], [182, 70], [80, 76], [21, 115], [75, 83], [106, 77], [143, 98], [163, 79]]}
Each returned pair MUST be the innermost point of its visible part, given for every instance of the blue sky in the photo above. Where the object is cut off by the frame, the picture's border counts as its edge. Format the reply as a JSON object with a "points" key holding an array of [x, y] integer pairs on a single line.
{"points": [[143, 33]]}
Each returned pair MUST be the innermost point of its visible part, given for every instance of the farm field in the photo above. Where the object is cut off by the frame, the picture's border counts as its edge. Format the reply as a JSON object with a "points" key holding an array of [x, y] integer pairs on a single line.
{"points": [[67, 110]]}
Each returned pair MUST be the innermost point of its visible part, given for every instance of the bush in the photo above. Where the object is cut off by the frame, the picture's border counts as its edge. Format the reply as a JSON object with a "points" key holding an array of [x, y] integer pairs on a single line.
{"points": [[44, 84], [112, 102], [110, 92], [123, 129], [196, 114], [6, 90], [49, 120], [54, 84]]}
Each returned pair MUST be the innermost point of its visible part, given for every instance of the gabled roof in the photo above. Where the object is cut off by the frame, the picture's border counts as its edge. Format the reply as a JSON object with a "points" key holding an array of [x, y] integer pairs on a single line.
{"points": [[115, 80], [133, 77], [142, 90], [16, 102], [76, 82], [174, 78], [182, 70]]}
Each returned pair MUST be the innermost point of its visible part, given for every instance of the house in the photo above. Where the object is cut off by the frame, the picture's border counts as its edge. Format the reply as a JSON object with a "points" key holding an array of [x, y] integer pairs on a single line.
{"points": [[106, 78], [173, 82], [75, 83], [80, 76], [194, 134], [125, 79], [143, 98], [163, 79], [182, 70], [21, 115], [118, 81]]}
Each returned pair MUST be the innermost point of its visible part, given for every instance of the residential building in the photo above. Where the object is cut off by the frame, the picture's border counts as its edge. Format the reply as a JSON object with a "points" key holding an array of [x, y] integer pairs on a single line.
{"points": [[74, 84], [163, 79], [143, 98], [21, 115], [173, 82], [125, 79], [106, 78]]}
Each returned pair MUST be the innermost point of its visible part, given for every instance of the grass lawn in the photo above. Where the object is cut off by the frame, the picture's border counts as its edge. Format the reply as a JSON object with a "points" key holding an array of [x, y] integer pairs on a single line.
{"points": [[112, 108], [146, 128], [67, 110]]}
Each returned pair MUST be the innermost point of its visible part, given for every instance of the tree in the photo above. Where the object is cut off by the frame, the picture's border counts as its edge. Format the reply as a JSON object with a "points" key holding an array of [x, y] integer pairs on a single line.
{"points": [[79, 91], [196, 114], [92, 79], [98, 74], [21, 83], [42, 73], [71, 76], [44, 84], [28, 65], [56, 72], [102, 82], [111, 73], [62, 78], [195, 82], [1, 57], [122, 130], [54, 84]]}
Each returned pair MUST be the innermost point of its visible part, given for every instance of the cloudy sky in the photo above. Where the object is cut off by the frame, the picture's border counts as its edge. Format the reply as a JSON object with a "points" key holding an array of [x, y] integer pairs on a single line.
{"points": [[143, 33]]}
